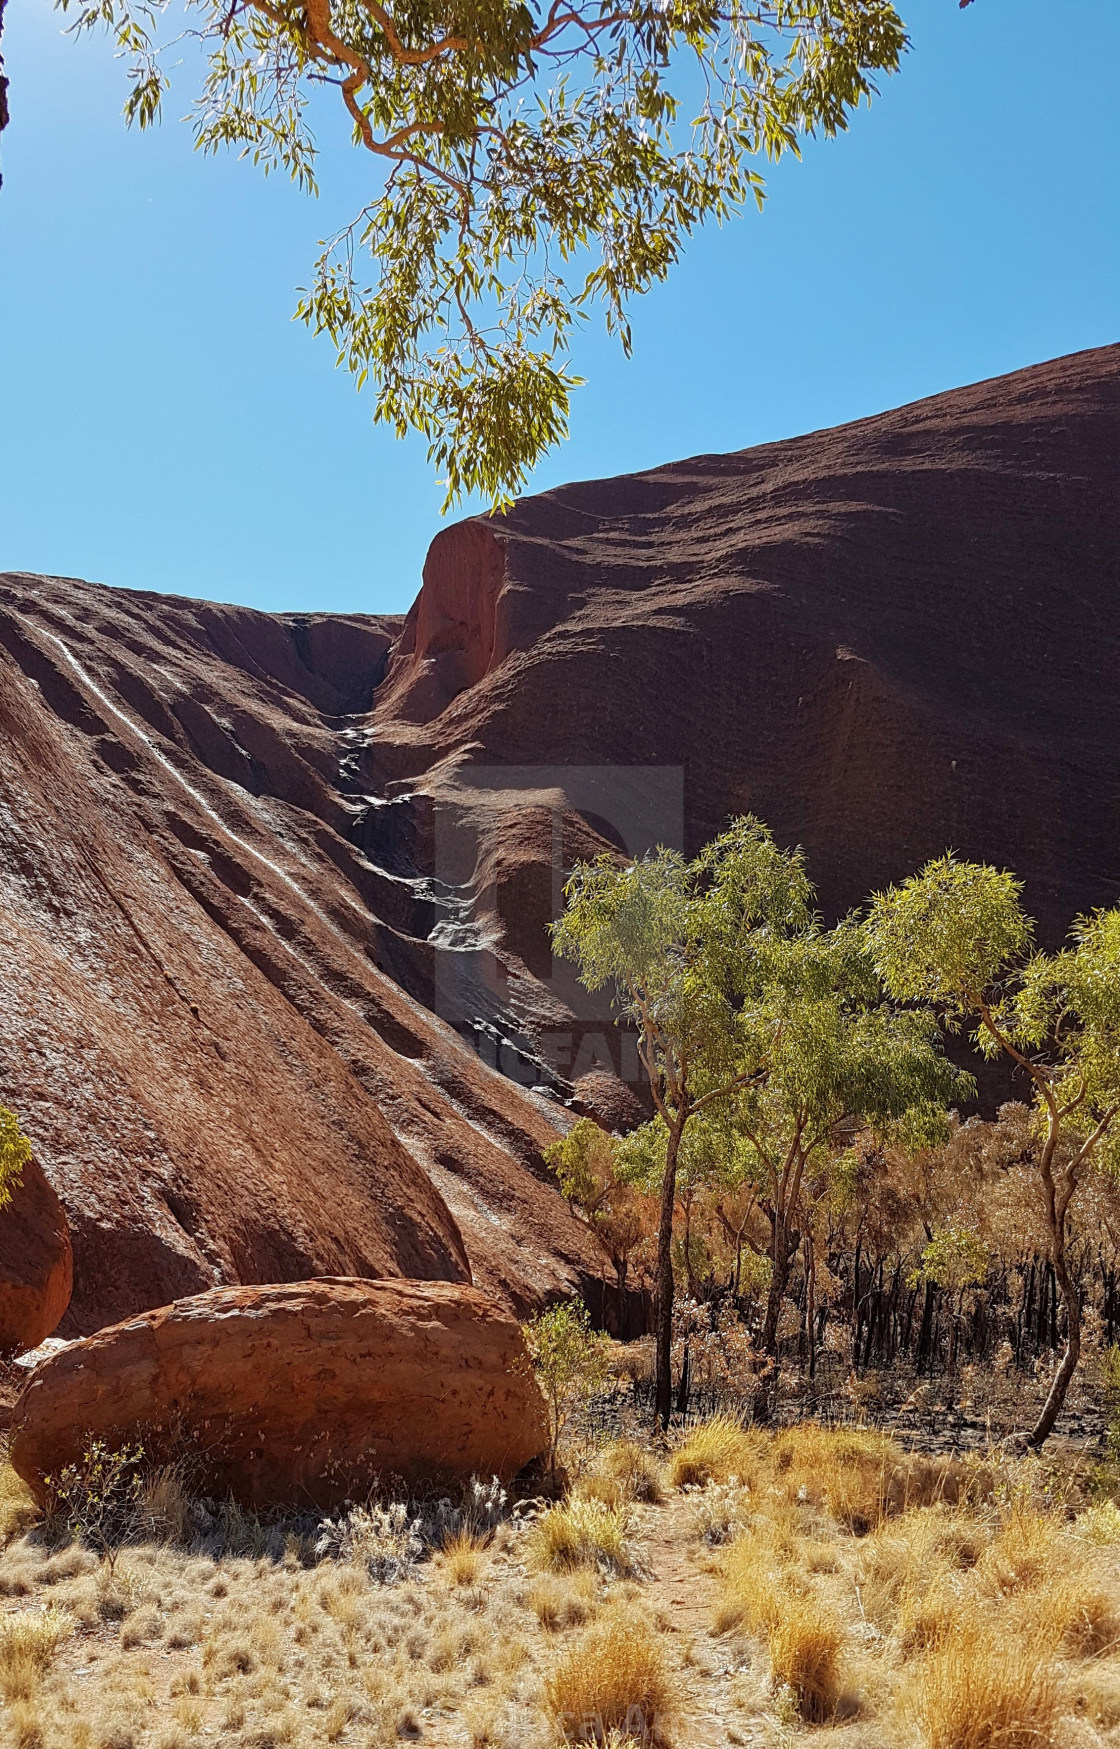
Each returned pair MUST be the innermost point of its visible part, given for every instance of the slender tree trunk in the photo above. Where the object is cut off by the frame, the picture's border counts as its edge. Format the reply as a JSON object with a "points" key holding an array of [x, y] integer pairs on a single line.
{"points": [[780, 1253], [925, 1335], [811, 1306], [684, 1388], [1055, 1401], [688, 1275], [663, 1392], [623, 1315]]}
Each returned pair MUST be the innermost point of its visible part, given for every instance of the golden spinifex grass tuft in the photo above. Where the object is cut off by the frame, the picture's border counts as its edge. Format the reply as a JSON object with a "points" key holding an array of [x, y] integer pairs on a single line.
{"points": [[635, 1469], [714, 1451], [861, 1477], [616, 1676], [766, 1593], [804, 1641], [582, 1533], [28, 1642], [564, 1601], [983, 1688], [463, 1558], [18, 1509]]}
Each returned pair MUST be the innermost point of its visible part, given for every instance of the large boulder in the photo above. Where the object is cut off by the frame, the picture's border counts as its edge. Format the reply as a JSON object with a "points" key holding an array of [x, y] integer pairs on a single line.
{"points": [[36, 1263], [305, 1394]]}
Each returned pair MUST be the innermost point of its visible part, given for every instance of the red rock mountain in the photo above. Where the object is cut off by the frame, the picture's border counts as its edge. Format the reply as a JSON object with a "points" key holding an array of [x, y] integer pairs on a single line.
{"points": [[261, 876]]}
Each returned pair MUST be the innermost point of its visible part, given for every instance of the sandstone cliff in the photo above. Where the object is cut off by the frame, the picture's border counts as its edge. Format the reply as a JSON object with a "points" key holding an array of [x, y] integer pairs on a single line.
{"points": [[277, 999]]}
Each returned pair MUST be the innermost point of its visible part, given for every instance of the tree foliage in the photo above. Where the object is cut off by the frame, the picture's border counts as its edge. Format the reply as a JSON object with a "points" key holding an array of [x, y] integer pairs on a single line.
{"points": [[15, 1153], [571, 1361], [956, 936], [585, 1162], [537, 161], [766, 1038]]}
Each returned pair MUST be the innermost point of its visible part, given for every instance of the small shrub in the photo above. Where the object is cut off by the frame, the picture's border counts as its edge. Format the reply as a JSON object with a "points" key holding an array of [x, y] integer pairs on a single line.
{"points": [[571, 1362], [714, 1451], [581, 1533], [97, 1497], [386, 1540], [614, 1677]]}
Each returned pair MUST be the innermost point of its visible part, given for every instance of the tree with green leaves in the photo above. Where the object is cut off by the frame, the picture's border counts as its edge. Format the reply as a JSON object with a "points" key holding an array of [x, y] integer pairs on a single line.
{"points": [[529, 162], [676, 941], [15, 1153], [837, 1060], [585, 1164], [956, 937], [754, 1022]]}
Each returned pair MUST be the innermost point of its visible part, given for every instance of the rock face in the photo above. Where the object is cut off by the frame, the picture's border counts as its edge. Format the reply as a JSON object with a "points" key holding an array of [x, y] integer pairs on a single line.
{"points": [[304, 1394], [36, 1263], [278, 999], [884, 640], [221, 1082]]}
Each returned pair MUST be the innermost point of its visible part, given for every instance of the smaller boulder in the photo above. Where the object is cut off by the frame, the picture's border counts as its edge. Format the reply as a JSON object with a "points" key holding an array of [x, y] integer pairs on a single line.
{"points": [[306, 1394], [36, 1263]]}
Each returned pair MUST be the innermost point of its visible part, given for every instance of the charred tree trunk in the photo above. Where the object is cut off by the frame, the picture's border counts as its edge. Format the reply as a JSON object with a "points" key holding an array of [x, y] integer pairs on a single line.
{"points": [[663, 1390]]}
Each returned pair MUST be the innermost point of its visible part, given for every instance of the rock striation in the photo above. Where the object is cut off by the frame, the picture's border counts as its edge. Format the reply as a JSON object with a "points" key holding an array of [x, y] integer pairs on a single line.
{"points": [[277, 997], [307, 1394]]}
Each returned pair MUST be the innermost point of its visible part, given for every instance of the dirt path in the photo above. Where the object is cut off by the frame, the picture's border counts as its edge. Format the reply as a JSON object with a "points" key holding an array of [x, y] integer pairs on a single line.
{"points": [[681, 1589]]}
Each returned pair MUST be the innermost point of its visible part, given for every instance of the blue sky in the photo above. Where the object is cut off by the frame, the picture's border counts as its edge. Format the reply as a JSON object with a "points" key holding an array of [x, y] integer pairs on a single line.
{"points": [[165, 425]]}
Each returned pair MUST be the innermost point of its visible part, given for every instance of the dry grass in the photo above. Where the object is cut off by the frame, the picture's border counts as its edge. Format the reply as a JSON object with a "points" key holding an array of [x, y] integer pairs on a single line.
{"points": [[859, 1477], [18, 1510], [582, 1532], [615, 1676], [27, 1645], [952, 1613], [864, 1598], [463, 1558], [564, 1602], [715, 1451], [981, 1688], [636, 1471], [766, 1593], [804, 1642]]}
